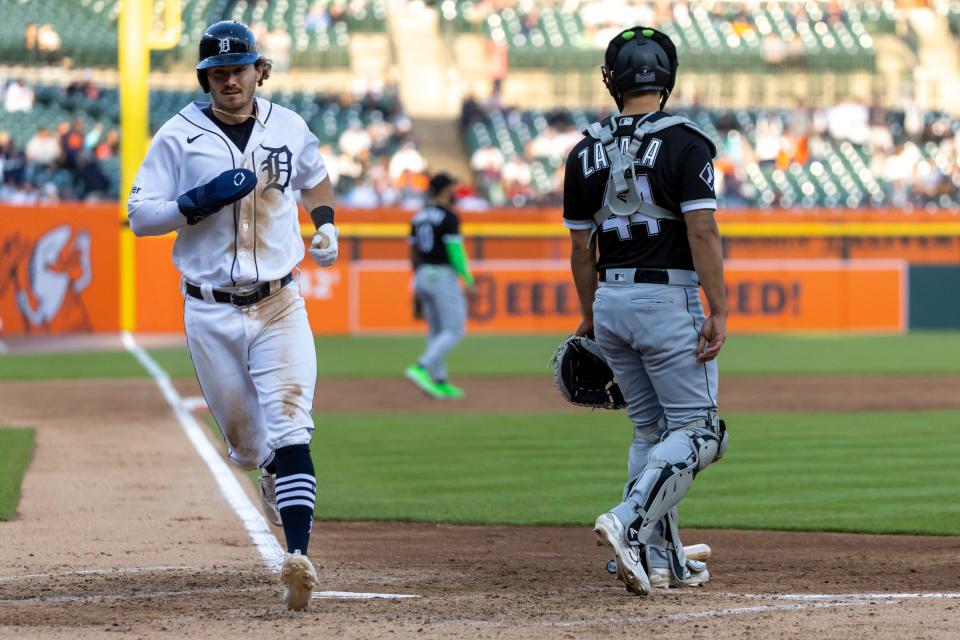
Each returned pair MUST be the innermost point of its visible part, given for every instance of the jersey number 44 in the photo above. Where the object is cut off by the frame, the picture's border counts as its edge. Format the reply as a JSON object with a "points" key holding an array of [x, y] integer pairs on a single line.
{"points": [[622, 224]]}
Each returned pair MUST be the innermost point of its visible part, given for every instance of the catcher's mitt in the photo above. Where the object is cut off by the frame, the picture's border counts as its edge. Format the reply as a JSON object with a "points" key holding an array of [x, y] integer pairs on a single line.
{"points": [[583, 376]]}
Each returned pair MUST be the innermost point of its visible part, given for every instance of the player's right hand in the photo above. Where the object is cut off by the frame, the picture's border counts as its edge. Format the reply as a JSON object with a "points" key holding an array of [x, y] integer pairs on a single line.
{"points": [[206, 199], [713, 334], [324, 247], [585, 328]]}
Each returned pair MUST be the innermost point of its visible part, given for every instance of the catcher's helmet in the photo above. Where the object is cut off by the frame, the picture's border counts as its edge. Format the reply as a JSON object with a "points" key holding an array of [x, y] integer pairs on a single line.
{"points": [[640, 59], [226, 43]]}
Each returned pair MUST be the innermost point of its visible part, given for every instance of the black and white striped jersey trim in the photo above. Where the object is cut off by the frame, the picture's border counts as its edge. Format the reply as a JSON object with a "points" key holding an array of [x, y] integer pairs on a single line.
{"points": [[696, 205]]}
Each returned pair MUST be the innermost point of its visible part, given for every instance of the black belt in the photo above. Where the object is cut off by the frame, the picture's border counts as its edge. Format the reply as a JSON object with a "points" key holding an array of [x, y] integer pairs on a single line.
{"points": [[240, 299], [651, 276]]}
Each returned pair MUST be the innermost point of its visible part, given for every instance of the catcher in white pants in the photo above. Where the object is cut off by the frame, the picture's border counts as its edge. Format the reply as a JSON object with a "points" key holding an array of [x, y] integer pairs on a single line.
{"points": [[223, 176], [639, 202]]}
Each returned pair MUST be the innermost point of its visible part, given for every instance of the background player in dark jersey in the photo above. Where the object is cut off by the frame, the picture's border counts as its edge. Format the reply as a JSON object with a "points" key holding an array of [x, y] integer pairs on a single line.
{"points": [[438, 258], [639, 187]]}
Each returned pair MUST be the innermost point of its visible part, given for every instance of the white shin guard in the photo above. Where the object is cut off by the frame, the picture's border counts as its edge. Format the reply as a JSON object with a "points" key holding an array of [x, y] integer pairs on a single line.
{"points": [[669, 473]]}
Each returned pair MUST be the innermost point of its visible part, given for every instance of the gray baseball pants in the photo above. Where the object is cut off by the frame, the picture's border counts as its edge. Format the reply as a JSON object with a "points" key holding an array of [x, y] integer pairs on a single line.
{"points": [[445, 310], [648, 333]]}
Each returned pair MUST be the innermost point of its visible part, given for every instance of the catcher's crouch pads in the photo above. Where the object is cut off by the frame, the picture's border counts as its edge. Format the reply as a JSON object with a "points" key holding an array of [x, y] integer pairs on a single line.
{"points": [[583, 376]]}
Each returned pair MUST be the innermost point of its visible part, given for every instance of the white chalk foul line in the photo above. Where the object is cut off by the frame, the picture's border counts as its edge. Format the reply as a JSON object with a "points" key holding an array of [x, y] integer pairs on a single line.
{"points": [[194, 403], [254, 522], [93, 572], [354, 595], [807, 601], [845, 596], [157, 595]]}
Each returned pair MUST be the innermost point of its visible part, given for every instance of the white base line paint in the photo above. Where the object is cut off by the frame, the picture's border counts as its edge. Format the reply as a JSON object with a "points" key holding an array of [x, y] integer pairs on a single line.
{"points": [[255, 524], [93, 572], [148, 595], [818, 601], [156, 595], [194, 403], [845, 596], [350, 595]]}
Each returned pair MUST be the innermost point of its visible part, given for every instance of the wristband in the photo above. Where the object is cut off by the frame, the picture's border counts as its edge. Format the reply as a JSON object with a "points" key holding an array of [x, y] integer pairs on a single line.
{"points": [[322, 215]]}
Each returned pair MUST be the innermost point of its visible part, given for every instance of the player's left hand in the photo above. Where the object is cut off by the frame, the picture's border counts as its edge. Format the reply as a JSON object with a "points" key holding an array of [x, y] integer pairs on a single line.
{"points": [[324, 248], [712, 336]]}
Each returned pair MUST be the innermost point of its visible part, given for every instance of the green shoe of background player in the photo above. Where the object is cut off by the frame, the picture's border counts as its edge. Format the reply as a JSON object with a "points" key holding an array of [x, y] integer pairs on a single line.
{"points": [[449, 391], [420, 377]]}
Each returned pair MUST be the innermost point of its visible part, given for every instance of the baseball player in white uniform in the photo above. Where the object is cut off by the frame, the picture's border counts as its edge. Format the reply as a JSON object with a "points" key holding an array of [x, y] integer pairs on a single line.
{"points": [[223, 176]]}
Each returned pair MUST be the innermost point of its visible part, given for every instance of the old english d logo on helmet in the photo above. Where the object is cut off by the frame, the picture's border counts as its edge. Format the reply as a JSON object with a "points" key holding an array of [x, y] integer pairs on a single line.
{"points": [[227, 43]]}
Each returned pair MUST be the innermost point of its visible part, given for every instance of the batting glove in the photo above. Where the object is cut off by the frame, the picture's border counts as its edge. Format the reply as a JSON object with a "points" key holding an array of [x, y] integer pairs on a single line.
{"points": [[324, 246], [200, 202]]}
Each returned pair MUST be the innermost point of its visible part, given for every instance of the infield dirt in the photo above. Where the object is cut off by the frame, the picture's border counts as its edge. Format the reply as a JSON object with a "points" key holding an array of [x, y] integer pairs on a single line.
{"points": [[121, 528]]}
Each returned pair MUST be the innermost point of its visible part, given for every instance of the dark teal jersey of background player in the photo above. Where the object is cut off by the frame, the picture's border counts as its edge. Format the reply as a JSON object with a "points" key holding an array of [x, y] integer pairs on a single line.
{"points": [[674, 170], [430, 227]]}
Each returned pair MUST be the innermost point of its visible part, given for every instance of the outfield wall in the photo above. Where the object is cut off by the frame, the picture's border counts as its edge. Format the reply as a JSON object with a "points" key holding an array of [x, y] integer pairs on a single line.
{"points": [[60, 272]]}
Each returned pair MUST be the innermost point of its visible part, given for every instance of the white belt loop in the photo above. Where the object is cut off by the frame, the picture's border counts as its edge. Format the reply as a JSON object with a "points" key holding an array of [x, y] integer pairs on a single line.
{"points": [[206, 290]]}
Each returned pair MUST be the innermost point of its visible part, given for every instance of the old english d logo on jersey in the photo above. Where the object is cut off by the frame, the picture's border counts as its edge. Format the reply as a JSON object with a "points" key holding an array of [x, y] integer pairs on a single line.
{"points": [[277, 167]]}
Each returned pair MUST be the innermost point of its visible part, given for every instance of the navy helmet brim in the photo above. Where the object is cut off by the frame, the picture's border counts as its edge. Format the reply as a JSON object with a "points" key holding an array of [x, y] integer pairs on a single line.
{"points": [[227, 59]]}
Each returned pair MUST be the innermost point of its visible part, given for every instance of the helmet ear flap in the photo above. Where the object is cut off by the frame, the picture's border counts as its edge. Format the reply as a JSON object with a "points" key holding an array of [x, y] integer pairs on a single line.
{"points": [[202, 78], [611, 86]]}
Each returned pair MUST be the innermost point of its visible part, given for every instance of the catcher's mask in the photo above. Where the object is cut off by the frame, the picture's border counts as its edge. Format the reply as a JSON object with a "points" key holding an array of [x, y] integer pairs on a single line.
{"points": [[640, 59], [225, 43], [583, 376]]}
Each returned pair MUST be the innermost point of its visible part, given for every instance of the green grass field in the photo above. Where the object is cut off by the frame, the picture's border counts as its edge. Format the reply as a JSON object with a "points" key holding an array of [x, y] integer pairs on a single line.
{"points": [[890, 472], [878, 473], [917, 352], [16, 446]]}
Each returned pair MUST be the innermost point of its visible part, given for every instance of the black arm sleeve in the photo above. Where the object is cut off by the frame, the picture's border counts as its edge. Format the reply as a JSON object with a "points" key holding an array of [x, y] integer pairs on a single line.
{"points": [[697, 178], [577, 212]]}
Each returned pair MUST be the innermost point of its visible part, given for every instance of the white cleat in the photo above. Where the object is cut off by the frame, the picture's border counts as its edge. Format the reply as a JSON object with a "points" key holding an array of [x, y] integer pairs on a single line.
{"points": [[299, 580], [268, 497], [661, 578], [630, 569]]}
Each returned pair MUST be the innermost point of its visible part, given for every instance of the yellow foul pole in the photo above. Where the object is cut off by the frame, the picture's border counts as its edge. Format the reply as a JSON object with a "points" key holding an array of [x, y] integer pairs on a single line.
{"points": [[136, 37]]}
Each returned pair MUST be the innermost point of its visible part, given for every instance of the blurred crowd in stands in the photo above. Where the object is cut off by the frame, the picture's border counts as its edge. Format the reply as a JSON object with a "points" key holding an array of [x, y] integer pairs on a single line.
{"points": [[373, 157], [374, 160], [914, 156], [603, 19], [61, 163]]}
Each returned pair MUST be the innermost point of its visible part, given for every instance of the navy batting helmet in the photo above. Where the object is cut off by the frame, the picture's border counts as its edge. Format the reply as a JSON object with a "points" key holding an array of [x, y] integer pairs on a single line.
{"points": [[226, 43], [640, 59]]}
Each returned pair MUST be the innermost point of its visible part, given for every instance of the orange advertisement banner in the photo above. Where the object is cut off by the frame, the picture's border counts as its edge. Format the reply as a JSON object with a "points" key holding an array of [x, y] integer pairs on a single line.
{"points": [[816, 295], [538, 296], [58, 270], [515, 296]]}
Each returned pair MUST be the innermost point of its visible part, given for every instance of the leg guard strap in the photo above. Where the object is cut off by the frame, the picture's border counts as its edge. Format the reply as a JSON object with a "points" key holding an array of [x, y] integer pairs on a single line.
{"points": [[670, 471]]}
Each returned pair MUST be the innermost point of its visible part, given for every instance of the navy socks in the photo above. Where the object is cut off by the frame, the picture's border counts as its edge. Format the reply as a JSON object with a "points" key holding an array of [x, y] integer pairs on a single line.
{"points": [[296, 492]]}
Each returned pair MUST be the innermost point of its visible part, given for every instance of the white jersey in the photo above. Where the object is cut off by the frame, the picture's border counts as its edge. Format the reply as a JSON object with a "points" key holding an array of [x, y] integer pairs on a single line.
{"points": [[255, 239]]}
